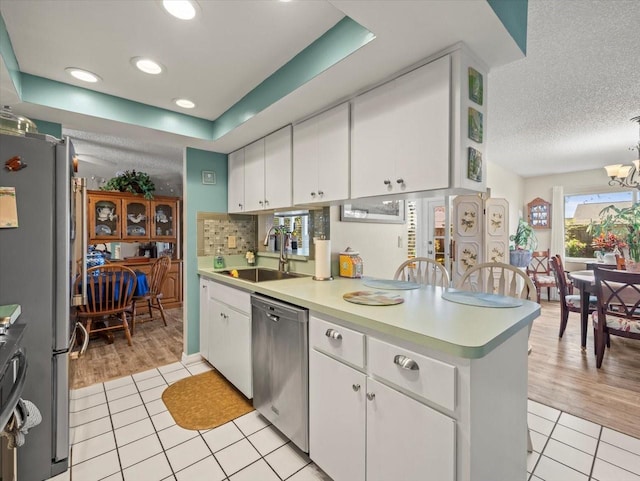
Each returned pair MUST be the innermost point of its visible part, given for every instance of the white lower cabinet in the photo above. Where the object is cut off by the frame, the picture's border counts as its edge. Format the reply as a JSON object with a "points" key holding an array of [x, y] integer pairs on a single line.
{"points": [[361, 429], [225, 335], [204, 318]]}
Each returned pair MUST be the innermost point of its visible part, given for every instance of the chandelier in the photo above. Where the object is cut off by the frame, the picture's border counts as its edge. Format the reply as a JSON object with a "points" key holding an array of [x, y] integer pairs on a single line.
{"points": [[626, 175]]}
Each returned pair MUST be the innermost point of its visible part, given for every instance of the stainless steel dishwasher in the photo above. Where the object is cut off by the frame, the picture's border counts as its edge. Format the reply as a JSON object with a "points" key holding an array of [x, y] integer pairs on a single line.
{"points": [[280, 348]]}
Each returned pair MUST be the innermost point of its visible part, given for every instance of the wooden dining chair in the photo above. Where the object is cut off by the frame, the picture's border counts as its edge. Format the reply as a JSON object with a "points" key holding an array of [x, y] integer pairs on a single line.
{"points": [[569, 302], [110, 289], [502, 279], [153, 298], [539, 269], [423, 270], [618, 312]]}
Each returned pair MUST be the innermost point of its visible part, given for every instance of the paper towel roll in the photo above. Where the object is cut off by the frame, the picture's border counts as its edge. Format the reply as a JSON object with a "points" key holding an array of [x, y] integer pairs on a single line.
{"points": [[323, 259]]}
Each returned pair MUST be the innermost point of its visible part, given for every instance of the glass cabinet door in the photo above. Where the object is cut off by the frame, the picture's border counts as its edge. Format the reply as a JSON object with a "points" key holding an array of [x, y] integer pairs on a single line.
{"points": [[136, 222], [104, 218], [164, 218]]}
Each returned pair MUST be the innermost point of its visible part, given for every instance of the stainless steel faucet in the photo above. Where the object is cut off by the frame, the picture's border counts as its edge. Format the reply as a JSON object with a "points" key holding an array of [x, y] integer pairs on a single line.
{"points": [[283, 261]]}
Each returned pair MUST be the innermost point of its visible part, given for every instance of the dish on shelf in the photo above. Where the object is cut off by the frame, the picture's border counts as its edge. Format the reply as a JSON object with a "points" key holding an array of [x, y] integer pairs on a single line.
{"points": [[102, 229], [136, 230], [136, 218]]}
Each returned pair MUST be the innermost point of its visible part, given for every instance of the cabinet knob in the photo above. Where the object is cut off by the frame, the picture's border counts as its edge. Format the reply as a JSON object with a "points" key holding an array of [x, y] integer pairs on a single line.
{"points": [[266, 202], [400, 181], [240, 205], [406, 363], [371, 396], [387, 182], [313, 194], [356, 387], [320, 193], [333, 334], [260, 202]]}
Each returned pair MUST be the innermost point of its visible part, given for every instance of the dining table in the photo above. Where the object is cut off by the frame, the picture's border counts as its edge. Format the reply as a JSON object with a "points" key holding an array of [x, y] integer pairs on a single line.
{"points": [[585, 282]]}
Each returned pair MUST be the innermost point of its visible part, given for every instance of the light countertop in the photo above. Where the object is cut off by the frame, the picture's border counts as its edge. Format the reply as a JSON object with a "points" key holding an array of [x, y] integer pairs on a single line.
{"points": [[424, 318]]}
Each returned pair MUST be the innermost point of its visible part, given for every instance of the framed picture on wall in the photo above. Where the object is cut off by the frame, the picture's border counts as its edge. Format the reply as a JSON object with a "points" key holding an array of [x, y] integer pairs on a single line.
{"points": [[475, 125], [475, 86], [474, 166], [386, 212], [539, 213]]}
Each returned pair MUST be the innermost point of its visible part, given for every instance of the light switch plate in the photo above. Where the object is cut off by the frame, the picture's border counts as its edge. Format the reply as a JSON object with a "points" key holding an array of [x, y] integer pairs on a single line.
{"points": [[231, 242]]}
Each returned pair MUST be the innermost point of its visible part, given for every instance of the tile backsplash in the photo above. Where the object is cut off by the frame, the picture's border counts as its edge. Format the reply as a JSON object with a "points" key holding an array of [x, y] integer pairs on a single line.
{"points": [[214, 230]]}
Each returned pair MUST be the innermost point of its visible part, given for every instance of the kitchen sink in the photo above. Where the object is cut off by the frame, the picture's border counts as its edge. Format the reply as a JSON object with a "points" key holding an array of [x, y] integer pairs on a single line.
{"points": [[261, 274]]}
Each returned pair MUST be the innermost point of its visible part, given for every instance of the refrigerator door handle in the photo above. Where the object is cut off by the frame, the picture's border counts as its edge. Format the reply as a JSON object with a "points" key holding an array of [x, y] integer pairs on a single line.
{"points": [[81, 185]]}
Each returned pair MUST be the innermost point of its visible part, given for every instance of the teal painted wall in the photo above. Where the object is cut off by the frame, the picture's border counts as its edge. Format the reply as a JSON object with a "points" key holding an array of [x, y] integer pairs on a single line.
{"points": [[49, 128], [513, 15], [9, 56], [205, 198]]}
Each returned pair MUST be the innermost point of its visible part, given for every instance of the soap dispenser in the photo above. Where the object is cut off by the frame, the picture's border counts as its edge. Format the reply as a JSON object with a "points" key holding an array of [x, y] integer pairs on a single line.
{"points": [[218, 262]]}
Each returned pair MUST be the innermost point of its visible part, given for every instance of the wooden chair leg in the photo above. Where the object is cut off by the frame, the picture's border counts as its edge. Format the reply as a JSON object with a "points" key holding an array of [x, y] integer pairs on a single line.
{"points": [[164, 319], [548, 293], [538, 293], [150, 304], [564, 319], [599, 342], [133, 317], [125, 324]]}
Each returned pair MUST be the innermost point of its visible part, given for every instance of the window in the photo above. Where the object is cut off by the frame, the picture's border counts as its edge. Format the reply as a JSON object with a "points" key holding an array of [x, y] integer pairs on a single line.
{"points": [[580, 210]]}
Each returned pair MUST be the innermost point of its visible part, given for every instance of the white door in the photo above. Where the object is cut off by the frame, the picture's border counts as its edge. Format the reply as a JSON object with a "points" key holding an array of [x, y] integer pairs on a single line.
{"points": [[373, 143], [277, 169], [333, 154], [421, 119], [235, 196], [407, 440], [204, 318], [254, 176], [337, 418], [237, 363], [217, 332]]}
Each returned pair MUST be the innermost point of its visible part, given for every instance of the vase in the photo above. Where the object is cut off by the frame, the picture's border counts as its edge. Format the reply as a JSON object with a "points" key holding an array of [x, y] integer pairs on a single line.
{"points": [[520, 257], [633, 266]]}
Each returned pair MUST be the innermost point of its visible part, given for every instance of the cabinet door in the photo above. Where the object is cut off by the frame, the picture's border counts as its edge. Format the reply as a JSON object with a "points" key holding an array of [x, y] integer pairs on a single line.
{"points": [[136, 222], [406, 439], [172, 286], [305, 161], [164, 218], [277, 169], [333, 154], [217, 332], [373, 143], [421, 128], [254, 176], [204, 318], [104, 219], [237, 364], [235, 196], [337, 418]]}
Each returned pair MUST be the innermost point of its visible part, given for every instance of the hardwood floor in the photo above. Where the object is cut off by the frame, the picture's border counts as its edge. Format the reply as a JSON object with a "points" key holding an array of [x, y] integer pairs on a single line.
{"points": [[153, 345], [561, 375]]}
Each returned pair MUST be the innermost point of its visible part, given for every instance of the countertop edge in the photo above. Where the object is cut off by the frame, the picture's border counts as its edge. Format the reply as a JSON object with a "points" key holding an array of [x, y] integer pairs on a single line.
{"points": [[463, 351]]}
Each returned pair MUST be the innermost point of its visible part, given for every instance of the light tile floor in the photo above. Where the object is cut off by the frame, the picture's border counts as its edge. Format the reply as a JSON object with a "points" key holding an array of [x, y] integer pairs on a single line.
{"points": [[122, 431]]}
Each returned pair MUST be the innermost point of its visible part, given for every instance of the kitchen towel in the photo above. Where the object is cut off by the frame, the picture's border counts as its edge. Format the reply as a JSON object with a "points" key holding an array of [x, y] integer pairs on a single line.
{"points": [[323, 259]]}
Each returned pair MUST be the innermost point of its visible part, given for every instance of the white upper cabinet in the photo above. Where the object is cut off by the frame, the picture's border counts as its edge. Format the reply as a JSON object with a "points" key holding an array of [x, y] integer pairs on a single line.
{"points": [[277, 169], [321, 157], [235, 188], [400, 134], [267, 172]]}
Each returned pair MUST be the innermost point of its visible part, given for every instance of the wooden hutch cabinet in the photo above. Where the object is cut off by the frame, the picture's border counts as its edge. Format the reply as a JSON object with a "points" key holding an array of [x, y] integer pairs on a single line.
{"points": [[118, 216]]}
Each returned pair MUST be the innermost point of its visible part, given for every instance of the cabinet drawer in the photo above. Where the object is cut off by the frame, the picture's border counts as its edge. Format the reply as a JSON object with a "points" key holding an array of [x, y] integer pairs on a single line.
{"points": [[337, 341], [426, 377], [239, 300]]}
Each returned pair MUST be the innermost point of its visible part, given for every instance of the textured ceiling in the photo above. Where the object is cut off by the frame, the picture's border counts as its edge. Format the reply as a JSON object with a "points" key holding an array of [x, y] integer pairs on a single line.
{"points": [[567, 106]]}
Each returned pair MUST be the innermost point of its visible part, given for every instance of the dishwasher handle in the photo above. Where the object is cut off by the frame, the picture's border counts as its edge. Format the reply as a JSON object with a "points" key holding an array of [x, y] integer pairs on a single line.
{"points": [[272, 317]]}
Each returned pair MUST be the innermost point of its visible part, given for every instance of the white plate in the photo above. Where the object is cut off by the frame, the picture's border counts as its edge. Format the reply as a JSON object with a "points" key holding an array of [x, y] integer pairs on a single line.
{"points": [[480, 299], [390, 284]]}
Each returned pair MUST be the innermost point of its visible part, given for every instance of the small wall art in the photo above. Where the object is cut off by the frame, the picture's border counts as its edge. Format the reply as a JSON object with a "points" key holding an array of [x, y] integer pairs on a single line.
{"points": [[475, 86], [475, 125], [8, 208], [474, 165], [208, 177]]}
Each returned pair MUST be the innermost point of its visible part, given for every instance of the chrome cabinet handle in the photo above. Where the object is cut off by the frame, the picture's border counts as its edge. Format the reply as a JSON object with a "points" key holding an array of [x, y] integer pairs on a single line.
{"points": [[260, 202], [240, 205], [400, 181], [333, 334], [320, 193], [406, 363], [356, 387], [266, 202], [371, 396], [273, 318], [313, 194], [387, 182]]}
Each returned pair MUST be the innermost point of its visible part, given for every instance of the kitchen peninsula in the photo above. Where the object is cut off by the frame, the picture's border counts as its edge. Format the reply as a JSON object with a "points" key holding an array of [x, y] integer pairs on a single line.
{"points": [[460, 415]]}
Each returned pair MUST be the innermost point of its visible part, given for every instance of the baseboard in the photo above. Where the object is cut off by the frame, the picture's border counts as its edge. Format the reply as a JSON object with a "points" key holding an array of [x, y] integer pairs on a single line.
{"points": [[191, 358]]}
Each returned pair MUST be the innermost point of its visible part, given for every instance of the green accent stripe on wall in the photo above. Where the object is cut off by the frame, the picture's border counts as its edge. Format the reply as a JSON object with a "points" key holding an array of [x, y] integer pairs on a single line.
{"points": [[49, 128], [337, 43], [58, 95], [513, 15], [9, 57]]}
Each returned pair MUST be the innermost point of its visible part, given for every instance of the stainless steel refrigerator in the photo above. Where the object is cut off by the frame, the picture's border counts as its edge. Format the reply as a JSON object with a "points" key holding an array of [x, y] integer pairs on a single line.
{"points": [[36, 265]]}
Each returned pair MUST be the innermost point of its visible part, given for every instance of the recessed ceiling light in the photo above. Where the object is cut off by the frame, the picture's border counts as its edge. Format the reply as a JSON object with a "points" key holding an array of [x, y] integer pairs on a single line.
{"points": [[184, 103], [147, 65], [182, 9], [83, 75]]}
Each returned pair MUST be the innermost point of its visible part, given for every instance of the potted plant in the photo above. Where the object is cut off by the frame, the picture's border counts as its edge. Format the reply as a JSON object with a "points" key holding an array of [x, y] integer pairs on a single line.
{"points": [[131, 181], [524, 243], [624, 224]]}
